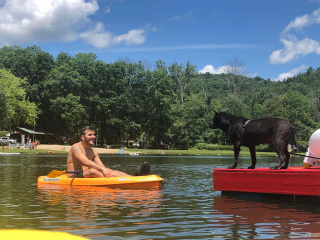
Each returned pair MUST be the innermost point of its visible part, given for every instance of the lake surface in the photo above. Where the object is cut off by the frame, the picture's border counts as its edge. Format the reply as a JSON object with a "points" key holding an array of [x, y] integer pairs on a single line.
{"points": [[186, 208]]}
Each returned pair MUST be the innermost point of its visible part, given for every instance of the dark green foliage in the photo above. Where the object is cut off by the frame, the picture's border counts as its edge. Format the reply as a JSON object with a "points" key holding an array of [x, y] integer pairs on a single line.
{"points": [[164, 106]]}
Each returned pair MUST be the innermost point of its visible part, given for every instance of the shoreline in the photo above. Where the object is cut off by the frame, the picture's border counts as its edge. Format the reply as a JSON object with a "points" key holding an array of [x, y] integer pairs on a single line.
{"points": [[64, 149], [136, 151]]}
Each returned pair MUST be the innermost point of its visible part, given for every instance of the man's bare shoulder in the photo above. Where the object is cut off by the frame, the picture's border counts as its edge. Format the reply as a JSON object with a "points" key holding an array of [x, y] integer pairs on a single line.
{"points": [[77, 148], [76, 144]]}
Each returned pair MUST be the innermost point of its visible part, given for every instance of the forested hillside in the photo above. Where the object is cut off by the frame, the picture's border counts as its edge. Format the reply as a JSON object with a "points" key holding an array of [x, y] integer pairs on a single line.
{"points": [[167, 103]]}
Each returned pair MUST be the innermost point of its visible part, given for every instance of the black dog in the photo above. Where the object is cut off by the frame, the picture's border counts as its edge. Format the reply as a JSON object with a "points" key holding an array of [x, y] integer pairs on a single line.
{"points": [[250, 133]]}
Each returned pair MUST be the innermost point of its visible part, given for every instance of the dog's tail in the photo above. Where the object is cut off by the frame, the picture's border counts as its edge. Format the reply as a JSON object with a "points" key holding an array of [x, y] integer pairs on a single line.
{"points": [[295, 138]]}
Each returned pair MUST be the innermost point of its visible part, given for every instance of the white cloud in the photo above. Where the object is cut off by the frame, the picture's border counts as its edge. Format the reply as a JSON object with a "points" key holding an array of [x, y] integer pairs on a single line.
{"points": [[100, 38], [174, 18], [107, 10], [24, 21], [252, 75], [298, 23], [222, 69], [133, 37], [211, 69], [304, 21], [186, 16], [294, 48], [291, 73], [38, 20], [148, 27], [97, 37]]}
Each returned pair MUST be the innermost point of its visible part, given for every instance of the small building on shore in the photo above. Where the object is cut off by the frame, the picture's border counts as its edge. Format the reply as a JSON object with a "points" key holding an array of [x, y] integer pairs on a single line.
{"points": [[23, 134]]}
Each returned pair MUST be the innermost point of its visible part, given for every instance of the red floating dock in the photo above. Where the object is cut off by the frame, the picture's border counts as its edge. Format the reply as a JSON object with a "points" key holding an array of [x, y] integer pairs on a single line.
{"points": [[293, 181]]}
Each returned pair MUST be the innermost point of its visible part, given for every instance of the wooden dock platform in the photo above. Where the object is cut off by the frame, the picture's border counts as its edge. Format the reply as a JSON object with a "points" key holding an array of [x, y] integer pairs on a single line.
{"points": [[293, 181]]}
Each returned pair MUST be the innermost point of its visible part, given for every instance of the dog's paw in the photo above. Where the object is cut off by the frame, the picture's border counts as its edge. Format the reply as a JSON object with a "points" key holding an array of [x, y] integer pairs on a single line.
{"points": [[283, 167], [231, 167], [274, 168], [251, 167]]}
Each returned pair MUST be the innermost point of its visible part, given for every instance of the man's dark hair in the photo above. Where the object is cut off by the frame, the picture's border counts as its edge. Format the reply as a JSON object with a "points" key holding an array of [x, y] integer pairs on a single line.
{"points": [[83, 130]]}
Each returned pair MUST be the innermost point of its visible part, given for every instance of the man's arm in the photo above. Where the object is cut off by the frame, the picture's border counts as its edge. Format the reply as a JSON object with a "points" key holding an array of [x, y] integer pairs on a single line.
{"points": [[82, 158], [97, 159]]}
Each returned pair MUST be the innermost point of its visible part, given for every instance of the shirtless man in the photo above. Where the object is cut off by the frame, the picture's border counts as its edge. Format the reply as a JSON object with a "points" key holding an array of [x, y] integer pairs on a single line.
{"points": [[82, 157]]}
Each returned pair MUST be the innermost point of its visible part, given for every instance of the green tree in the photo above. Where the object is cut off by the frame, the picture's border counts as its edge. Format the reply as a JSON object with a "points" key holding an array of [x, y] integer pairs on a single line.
{"points": [[15, 109], [120, 122], [181, 77], [159, 96], [190, 122], [234, 104], [72, 112], [30, 63], [293, 107], [62, 81], [299, 113]]}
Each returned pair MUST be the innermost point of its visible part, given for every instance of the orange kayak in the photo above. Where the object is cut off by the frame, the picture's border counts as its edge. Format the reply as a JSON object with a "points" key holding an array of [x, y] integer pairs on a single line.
{"points": [[149, 181]]}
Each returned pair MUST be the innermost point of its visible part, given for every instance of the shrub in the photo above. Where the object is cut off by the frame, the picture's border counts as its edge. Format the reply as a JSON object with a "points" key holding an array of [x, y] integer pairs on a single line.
{"points": [[201, 146], [260, 148]]}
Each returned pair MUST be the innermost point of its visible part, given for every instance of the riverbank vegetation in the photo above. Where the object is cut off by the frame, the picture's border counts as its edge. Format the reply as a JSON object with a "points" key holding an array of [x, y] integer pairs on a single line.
{"points": [[34, 151], [195, 152], [159, 152], [160, 105]]}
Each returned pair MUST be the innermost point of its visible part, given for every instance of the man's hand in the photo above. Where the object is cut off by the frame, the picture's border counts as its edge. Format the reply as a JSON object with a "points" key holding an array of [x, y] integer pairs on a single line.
{"points": [[106, 173]]}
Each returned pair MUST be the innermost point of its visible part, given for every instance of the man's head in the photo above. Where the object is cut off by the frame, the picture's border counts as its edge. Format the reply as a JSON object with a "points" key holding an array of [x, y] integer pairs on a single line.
{"points": [[87, 135]]}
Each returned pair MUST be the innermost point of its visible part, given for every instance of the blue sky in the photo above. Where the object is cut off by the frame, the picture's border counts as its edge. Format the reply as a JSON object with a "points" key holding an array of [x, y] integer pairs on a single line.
{"points": [[275, 38]]}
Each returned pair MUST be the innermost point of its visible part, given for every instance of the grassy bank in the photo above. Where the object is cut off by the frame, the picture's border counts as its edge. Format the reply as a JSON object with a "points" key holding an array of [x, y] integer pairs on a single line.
{"points": [[190, 152], [35, 151], [195, 152]]}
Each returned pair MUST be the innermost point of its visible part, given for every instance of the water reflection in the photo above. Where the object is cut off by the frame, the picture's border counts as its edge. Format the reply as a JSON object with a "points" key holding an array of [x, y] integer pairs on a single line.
{"points": [[265, 219], [187, 207], [94, 208]]}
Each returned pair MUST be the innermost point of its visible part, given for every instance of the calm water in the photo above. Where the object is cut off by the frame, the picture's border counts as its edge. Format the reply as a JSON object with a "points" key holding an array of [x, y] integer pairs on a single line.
{"points": [[186, 208]]}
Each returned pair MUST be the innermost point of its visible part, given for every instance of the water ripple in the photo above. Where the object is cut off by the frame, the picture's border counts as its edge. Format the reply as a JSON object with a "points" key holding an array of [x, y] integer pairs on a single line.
{"points": [[186, 208]]}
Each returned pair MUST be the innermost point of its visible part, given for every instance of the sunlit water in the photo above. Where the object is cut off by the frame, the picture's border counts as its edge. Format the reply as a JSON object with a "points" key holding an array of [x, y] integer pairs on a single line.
{"points": [[186, 208]]}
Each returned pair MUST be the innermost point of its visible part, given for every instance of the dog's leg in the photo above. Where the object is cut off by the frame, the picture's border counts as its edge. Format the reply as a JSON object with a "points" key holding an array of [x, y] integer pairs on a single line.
{"points": [[287, 158], [281, 157], [283, 154], [236, 150], [253, 158]]}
